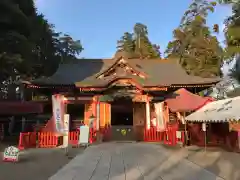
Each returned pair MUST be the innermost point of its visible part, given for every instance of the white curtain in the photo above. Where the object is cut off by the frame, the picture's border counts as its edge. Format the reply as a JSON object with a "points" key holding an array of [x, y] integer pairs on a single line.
{"points": [[160, 124]]}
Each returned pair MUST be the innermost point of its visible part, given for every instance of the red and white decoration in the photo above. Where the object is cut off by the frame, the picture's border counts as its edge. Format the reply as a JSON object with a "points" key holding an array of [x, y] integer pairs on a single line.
{"points": [[158, 120]]}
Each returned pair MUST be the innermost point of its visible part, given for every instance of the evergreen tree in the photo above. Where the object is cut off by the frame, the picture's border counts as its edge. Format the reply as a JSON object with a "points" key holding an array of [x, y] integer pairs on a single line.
{"points": [[126, 44], [29, 45], [232, 31], [138, 44], [196, 49], [143, 47], [232, 35]]}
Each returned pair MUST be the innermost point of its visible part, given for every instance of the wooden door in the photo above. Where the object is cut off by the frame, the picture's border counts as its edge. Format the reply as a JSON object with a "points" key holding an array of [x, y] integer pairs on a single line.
{"points": [[139, 120]]}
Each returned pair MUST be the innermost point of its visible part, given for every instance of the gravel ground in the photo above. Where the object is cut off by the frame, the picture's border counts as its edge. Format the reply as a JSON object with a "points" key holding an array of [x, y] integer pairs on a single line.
{"points": [[36, 164]]}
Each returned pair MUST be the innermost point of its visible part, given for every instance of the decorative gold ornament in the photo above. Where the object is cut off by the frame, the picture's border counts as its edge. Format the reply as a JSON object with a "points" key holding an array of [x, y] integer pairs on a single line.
{"points": [[124, 132]]}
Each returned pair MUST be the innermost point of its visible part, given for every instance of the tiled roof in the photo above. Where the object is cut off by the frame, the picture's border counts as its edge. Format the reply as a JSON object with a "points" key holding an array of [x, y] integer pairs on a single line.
{"points": [[160, 72]]}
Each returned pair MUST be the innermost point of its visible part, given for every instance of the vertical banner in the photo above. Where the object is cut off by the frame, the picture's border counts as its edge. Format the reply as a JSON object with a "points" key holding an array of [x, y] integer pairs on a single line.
{"points": [[58, 111], [160, 124]]}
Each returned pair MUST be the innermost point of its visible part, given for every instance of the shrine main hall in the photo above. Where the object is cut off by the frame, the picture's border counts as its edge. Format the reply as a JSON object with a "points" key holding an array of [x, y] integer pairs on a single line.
{"points": [[120, 92]]}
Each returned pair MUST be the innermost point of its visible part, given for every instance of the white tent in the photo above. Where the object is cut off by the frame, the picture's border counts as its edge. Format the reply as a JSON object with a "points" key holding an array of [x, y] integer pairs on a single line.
{"points": [[217, 111]]}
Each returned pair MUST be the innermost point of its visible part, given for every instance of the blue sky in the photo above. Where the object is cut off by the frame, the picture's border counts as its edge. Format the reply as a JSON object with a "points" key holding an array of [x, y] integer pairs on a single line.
{"points": [[100, 23]]}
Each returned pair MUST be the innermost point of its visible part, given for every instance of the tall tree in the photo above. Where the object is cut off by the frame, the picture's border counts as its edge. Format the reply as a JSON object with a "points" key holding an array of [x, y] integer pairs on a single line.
{"points": [[143, 47], [29, 45], [15, 30], [126, 43], [233, 37], [138, 44], [233, 28], [196, 49], [68, 48]]}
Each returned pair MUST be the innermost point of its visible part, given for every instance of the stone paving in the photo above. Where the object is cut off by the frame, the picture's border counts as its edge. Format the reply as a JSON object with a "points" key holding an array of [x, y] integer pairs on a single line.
{"points": [[216, 160], [131, 161]]}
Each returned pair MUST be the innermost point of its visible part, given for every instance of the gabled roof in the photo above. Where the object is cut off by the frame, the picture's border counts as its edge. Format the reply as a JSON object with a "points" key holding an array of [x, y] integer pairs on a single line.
{"points": [[159, 72]]}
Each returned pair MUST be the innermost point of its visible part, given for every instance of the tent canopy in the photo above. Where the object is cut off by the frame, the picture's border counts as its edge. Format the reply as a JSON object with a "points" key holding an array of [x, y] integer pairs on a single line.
{"points": [[217, 111], [185, 101]]}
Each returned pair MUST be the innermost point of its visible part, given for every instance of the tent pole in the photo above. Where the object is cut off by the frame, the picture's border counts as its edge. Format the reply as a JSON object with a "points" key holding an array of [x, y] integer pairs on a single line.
{"points": [[185, 129], [205, 138]]}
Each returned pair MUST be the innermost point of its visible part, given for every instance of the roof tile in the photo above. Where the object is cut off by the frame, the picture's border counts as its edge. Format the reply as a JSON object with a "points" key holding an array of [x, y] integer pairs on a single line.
{"points": [[160, 72]]}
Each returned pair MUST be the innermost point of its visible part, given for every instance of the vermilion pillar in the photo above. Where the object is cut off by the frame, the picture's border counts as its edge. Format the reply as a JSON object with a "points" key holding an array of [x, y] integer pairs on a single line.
{"points": [[97, 114]]}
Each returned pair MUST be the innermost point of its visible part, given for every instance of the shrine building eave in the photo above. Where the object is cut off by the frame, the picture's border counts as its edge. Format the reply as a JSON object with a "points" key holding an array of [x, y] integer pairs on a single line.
{"points": [[102, 73]]}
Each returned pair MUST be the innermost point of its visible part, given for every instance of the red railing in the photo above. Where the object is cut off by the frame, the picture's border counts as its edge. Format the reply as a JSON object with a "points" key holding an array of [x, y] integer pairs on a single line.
{"points": [[168, 137], [27, 140], [152, 135], [49, 139], [73, 137], [182, 138], [106, 132]]}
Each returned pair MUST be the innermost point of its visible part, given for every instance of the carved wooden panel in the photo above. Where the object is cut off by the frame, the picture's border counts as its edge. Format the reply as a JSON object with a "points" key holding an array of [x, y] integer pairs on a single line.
{"points": [[122, 68]]}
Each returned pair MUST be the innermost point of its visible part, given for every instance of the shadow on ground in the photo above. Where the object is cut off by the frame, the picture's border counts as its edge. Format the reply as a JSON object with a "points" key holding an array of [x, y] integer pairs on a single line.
{"points": [[191, 164], [222, 163]]}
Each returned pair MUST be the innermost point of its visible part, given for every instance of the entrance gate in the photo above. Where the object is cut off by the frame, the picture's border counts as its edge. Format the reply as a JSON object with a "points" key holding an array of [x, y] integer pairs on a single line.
{"points": [[122, 120]]}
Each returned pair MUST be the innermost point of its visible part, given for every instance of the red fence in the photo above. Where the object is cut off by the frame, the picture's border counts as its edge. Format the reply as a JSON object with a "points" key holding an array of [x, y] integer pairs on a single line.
{"points": [[106, 132], [152, 135], [49, 139], [169, 137]]}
